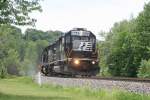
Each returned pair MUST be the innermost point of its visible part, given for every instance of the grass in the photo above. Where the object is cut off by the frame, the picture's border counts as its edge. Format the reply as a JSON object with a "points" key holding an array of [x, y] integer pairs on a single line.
{"points": [[23, 88]]}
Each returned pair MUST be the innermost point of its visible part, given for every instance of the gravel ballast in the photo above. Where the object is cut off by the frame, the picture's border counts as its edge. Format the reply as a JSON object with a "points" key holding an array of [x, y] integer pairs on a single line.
{"points": [[137, 87]]}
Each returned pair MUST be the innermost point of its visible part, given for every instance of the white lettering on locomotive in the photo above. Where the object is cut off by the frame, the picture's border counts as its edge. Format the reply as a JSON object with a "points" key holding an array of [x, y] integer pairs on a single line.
{"points": [[82, 45], [80, 33]]}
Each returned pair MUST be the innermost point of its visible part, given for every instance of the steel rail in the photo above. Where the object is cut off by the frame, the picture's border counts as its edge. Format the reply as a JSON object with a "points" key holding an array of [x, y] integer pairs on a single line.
{"points": [[144, 80], [128, 79]]}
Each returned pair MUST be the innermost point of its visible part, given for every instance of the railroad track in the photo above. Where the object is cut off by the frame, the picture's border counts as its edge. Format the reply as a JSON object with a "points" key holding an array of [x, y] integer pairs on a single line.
{"points": [[145, 80], [128, 79], [137, 85]]}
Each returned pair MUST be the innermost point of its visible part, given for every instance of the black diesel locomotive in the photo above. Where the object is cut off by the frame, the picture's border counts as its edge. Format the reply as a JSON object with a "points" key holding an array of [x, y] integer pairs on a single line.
{"points": [[74, 53]]}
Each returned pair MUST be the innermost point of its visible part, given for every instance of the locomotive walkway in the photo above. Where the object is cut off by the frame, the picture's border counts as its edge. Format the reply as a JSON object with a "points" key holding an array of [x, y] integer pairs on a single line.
{"points": [[130, 84]]}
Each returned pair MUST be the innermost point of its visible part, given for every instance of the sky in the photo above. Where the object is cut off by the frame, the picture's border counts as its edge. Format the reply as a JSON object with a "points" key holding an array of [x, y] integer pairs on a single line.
{"points": [[95, 15]]}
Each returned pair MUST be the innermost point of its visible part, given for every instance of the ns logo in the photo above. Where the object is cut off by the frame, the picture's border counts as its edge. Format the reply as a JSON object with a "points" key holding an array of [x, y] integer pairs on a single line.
{"points": [[85, 46]]}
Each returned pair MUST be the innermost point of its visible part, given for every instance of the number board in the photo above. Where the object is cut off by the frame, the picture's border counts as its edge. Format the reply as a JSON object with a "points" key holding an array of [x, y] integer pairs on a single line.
{"points": [[80, 33]]}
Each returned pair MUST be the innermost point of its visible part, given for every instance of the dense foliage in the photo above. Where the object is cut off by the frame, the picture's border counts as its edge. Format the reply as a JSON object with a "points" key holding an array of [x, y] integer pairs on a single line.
{"points": [[17, 11], [20, 55], [144, 70], [126, 45]]}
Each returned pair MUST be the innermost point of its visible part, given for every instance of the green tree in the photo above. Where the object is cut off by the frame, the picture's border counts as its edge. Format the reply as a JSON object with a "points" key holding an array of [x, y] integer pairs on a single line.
{"points": [[11, 62], [144, 70], [35, 42], [34, 35], [143, 32], [118, 50], [9, 56], [126, 44], [17, 11], [143, 37]]}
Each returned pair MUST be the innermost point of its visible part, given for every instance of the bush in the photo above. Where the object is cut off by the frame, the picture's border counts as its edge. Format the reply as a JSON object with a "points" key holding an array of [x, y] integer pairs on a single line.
{"points": [[3, 72], [144, 70]]}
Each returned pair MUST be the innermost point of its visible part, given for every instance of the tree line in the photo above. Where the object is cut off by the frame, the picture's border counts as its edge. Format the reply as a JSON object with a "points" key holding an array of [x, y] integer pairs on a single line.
{"points": [[126, 49], [20, 53]]}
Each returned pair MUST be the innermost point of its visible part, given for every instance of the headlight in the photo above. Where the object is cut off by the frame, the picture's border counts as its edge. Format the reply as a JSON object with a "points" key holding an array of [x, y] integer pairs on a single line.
{"points": [[76, 61], [93, 62]]}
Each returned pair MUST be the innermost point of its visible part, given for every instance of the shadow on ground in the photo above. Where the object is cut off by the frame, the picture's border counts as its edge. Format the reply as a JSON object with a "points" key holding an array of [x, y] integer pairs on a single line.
{"points": [[28, 97]]}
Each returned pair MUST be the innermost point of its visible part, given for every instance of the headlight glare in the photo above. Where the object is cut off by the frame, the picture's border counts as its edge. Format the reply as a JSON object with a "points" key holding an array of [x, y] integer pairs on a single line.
{"points": [[76, 61], [93, 62]]}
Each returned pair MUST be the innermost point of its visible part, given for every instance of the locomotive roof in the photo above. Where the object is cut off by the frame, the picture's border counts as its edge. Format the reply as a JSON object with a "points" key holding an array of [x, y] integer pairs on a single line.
{"points": [[78, 29], [67, 33]]}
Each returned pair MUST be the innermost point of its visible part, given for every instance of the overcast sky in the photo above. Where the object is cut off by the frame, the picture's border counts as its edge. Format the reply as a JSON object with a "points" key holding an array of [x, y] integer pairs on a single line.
{"points": [[95, 15]]}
